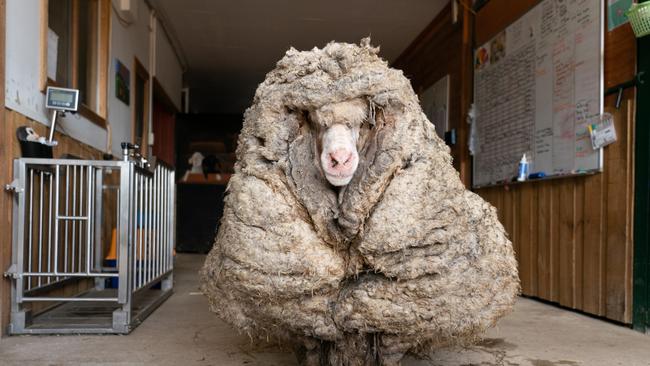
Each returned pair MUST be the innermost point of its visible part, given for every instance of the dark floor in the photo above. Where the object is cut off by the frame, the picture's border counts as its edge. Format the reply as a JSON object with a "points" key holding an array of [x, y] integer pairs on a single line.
{"points": [[93, 316], [183, 332]]}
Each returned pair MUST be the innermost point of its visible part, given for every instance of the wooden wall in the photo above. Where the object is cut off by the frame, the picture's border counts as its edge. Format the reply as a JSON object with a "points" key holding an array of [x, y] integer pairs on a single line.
{"points": [[572, 236], [10, 149], [445, 48]]}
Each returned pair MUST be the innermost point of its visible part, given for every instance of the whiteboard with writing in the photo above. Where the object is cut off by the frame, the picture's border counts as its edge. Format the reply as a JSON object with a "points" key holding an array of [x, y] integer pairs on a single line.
{"points": [[537, 85]]}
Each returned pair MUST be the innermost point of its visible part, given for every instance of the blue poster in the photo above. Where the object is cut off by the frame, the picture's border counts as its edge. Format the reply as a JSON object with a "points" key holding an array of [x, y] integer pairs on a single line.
{"points": [[616, 13]]}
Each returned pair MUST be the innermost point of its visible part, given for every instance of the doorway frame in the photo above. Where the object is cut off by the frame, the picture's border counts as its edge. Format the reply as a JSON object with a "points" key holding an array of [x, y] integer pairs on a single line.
{"points": [[6, 166], [641, 284], [141, 72], [160, 96]]}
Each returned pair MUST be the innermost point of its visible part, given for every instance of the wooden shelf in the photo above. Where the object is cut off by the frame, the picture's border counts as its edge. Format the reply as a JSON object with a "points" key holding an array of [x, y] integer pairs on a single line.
{"points": [[199, 178]]}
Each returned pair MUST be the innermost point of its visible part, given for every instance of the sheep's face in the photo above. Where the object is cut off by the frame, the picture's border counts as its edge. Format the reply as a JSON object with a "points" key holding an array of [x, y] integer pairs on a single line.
{"points": [[338, 133], [339, 158]]}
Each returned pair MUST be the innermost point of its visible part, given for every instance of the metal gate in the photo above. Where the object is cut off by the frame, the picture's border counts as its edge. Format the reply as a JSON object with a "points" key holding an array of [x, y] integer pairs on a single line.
{"points": [[68, 216]]}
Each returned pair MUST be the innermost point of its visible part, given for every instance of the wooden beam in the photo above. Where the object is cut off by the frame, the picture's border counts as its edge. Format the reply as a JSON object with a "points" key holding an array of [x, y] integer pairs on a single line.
{"points": [[43, 43], [6, 198]]}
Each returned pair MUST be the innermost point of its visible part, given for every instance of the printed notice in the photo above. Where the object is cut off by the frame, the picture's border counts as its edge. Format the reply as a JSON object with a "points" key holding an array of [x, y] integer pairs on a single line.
{"points": [[52, 53]]}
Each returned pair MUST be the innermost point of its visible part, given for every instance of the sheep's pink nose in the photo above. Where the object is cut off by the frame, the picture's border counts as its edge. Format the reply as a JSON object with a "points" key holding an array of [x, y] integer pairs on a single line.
{"points": [[340, 159]]}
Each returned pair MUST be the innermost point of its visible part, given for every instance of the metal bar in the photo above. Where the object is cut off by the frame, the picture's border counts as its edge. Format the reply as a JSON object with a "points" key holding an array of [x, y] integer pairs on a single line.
{"points": [[73, 218], [145, 232], [56, 222], [75, 299], [98, 163], [167, 209], [81, 225], [98, 220], [142, 234], [156, 222], [124, 209], [18, 252], [30, 226], [163, 218], [152, 232], [134, 234], [67, 226], [163, 212], [160, 214], [73, 250], [69, 274], [140, 230], [172, 220], [40, 225], [89, 209], [49, 231], [636, 80], [163, 229], [149, 210], [154, 225], [159, 218]]}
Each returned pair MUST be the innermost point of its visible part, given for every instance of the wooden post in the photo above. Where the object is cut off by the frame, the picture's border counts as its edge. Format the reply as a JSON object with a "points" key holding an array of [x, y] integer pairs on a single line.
{"points": [[641, 290], [6, 198]]}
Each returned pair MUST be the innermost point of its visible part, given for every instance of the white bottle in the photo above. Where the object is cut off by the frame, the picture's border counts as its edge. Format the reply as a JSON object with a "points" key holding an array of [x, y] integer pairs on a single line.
{"points": [[522, 175]]}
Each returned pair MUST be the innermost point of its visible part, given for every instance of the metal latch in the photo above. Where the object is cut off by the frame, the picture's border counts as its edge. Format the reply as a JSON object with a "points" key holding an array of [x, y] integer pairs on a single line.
{"points": [[12, 272], [14, 186]]}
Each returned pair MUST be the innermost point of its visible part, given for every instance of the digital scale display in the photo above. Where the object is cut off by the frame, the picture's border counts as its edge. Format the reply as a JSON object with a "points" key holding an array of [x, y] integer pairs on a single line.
{"points": [[62, 99]]}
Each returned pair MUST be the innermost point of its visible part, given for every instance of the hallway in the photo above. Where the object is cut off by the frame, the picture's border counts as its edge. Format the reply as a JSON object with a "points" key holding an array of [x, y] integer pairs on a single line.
{"points": [[183, 332]]}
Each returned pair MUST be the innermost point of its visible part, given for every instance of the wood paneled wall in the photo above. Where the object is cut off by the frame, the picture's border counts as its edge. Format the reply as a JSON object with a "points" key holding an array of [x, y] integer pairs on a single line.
{"points": [[10, 149], [445, 48], [572, 236]]}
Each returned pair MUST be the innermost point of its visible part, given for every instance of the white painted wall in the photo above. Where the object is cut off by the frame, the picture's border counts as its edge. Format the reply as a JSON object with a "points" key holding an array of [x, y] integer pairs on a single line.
{"points": [[23, 67], [127, 43], [168, 69]]}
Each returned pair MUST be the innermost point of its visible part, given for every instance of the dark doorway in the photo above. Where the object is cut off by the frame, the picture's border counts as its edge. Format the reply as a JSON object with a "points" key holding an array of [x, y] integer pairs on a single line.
{"points": [[199, 204]]}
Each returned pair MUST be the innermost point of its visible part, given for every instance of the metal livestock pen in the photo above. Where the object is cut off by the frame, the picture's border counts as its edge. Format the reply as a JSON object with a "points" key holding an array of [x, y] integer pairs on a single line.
{"points": [[69, 216]]}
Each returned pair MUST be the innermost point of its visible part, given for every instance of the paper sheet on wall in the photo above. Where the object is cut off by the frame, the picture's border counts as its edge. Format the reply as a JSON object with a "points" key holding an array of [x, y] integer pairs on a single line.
{"points": [[602, 131], [52, 53], [537, 84]]}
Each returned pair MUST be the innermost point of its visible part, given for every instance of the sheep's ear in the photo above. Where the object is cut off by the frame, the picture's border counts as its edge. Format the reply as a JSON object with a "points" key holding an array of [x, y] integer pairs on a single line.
{"points": [[371, 112]]}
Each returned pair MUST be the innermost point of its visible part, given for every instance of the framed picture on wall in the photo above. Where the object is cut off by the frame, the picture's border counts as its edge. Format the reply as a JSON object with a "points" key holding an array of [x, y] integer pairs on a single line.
{"points": [[122, 82]]}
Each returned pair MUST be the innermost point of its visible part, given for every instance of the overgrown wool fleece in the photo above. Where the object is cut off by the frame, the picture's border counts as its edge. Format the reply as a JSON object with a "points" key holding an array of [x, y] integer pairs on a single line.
{"points": [[401, 260]]}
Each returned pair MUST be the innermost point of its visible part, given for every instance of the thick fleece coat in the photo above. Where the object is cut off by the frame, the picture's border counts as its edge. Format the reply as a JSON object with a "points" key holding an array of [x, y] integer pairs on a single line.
{"points": [[403, 259]]}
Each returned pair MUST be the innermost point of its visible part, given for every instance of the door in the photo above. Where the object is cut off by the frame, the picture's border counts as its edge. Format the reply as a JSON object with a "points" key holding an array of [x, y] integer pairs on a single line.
{"points": [[164, 126]]}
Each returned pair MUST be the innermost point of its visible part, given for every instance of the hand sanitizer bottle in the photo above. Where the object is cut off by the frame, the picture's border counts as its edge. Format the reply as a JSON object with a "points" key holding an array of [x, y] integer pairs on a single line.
{"points": [[523, 169]]}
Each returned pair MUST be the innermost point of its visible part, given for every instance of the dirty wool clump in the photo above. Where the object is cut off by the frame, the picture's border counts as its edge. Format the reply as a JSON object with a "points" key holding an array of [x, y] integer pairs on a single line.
{"points": [[402, 259]]}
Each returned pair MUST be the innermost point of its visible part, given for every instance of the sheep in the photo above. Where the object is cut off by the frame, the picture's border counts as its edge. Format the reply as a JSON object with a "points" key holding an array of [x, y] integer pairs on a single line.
{"points": [[347, 233]]}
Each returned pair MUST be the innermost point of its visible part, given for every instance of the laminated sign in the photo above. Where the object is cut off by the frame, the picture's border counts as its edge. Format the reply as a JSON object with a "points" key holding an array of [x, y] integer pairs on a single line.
{"points": [[603, 131]]}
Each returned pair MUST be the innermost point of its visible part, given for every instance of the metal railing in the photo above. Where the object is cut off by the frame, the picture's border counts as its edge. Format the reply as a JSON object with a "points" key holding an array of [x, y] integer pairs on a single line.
{"points": [[64, 214]]}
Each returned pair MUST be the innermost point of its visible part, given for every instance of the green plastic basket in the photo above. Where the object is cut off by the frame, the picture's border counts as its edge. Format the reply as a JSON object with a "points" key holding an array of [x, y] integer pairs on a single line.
{"points": [[639, 16]]}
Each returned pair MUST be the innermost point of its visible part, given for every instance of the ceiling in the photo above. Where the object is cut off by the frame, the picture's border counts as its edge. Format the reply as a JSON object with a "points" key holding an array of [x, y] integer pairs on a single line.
{"points": [[229, 46]]}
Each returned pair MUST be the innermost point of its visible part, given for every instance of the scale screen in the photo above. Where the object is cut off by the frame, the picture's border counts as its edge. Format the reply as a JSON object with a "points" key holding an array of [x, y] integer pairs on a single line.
{"points": [[62, 99]]}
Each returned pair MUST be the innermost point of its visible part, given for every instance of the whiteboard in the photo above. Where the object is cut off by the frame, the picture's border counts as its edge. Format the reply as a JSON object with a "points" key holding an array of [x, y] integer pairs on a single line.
{"points": [[537, 85]]}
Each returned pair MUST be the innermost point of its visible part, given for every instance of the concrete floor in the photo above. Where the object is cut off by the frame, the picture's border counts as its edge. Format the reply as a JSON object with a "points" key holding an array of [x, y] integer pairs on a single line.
{"points": [[183, 332]]}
